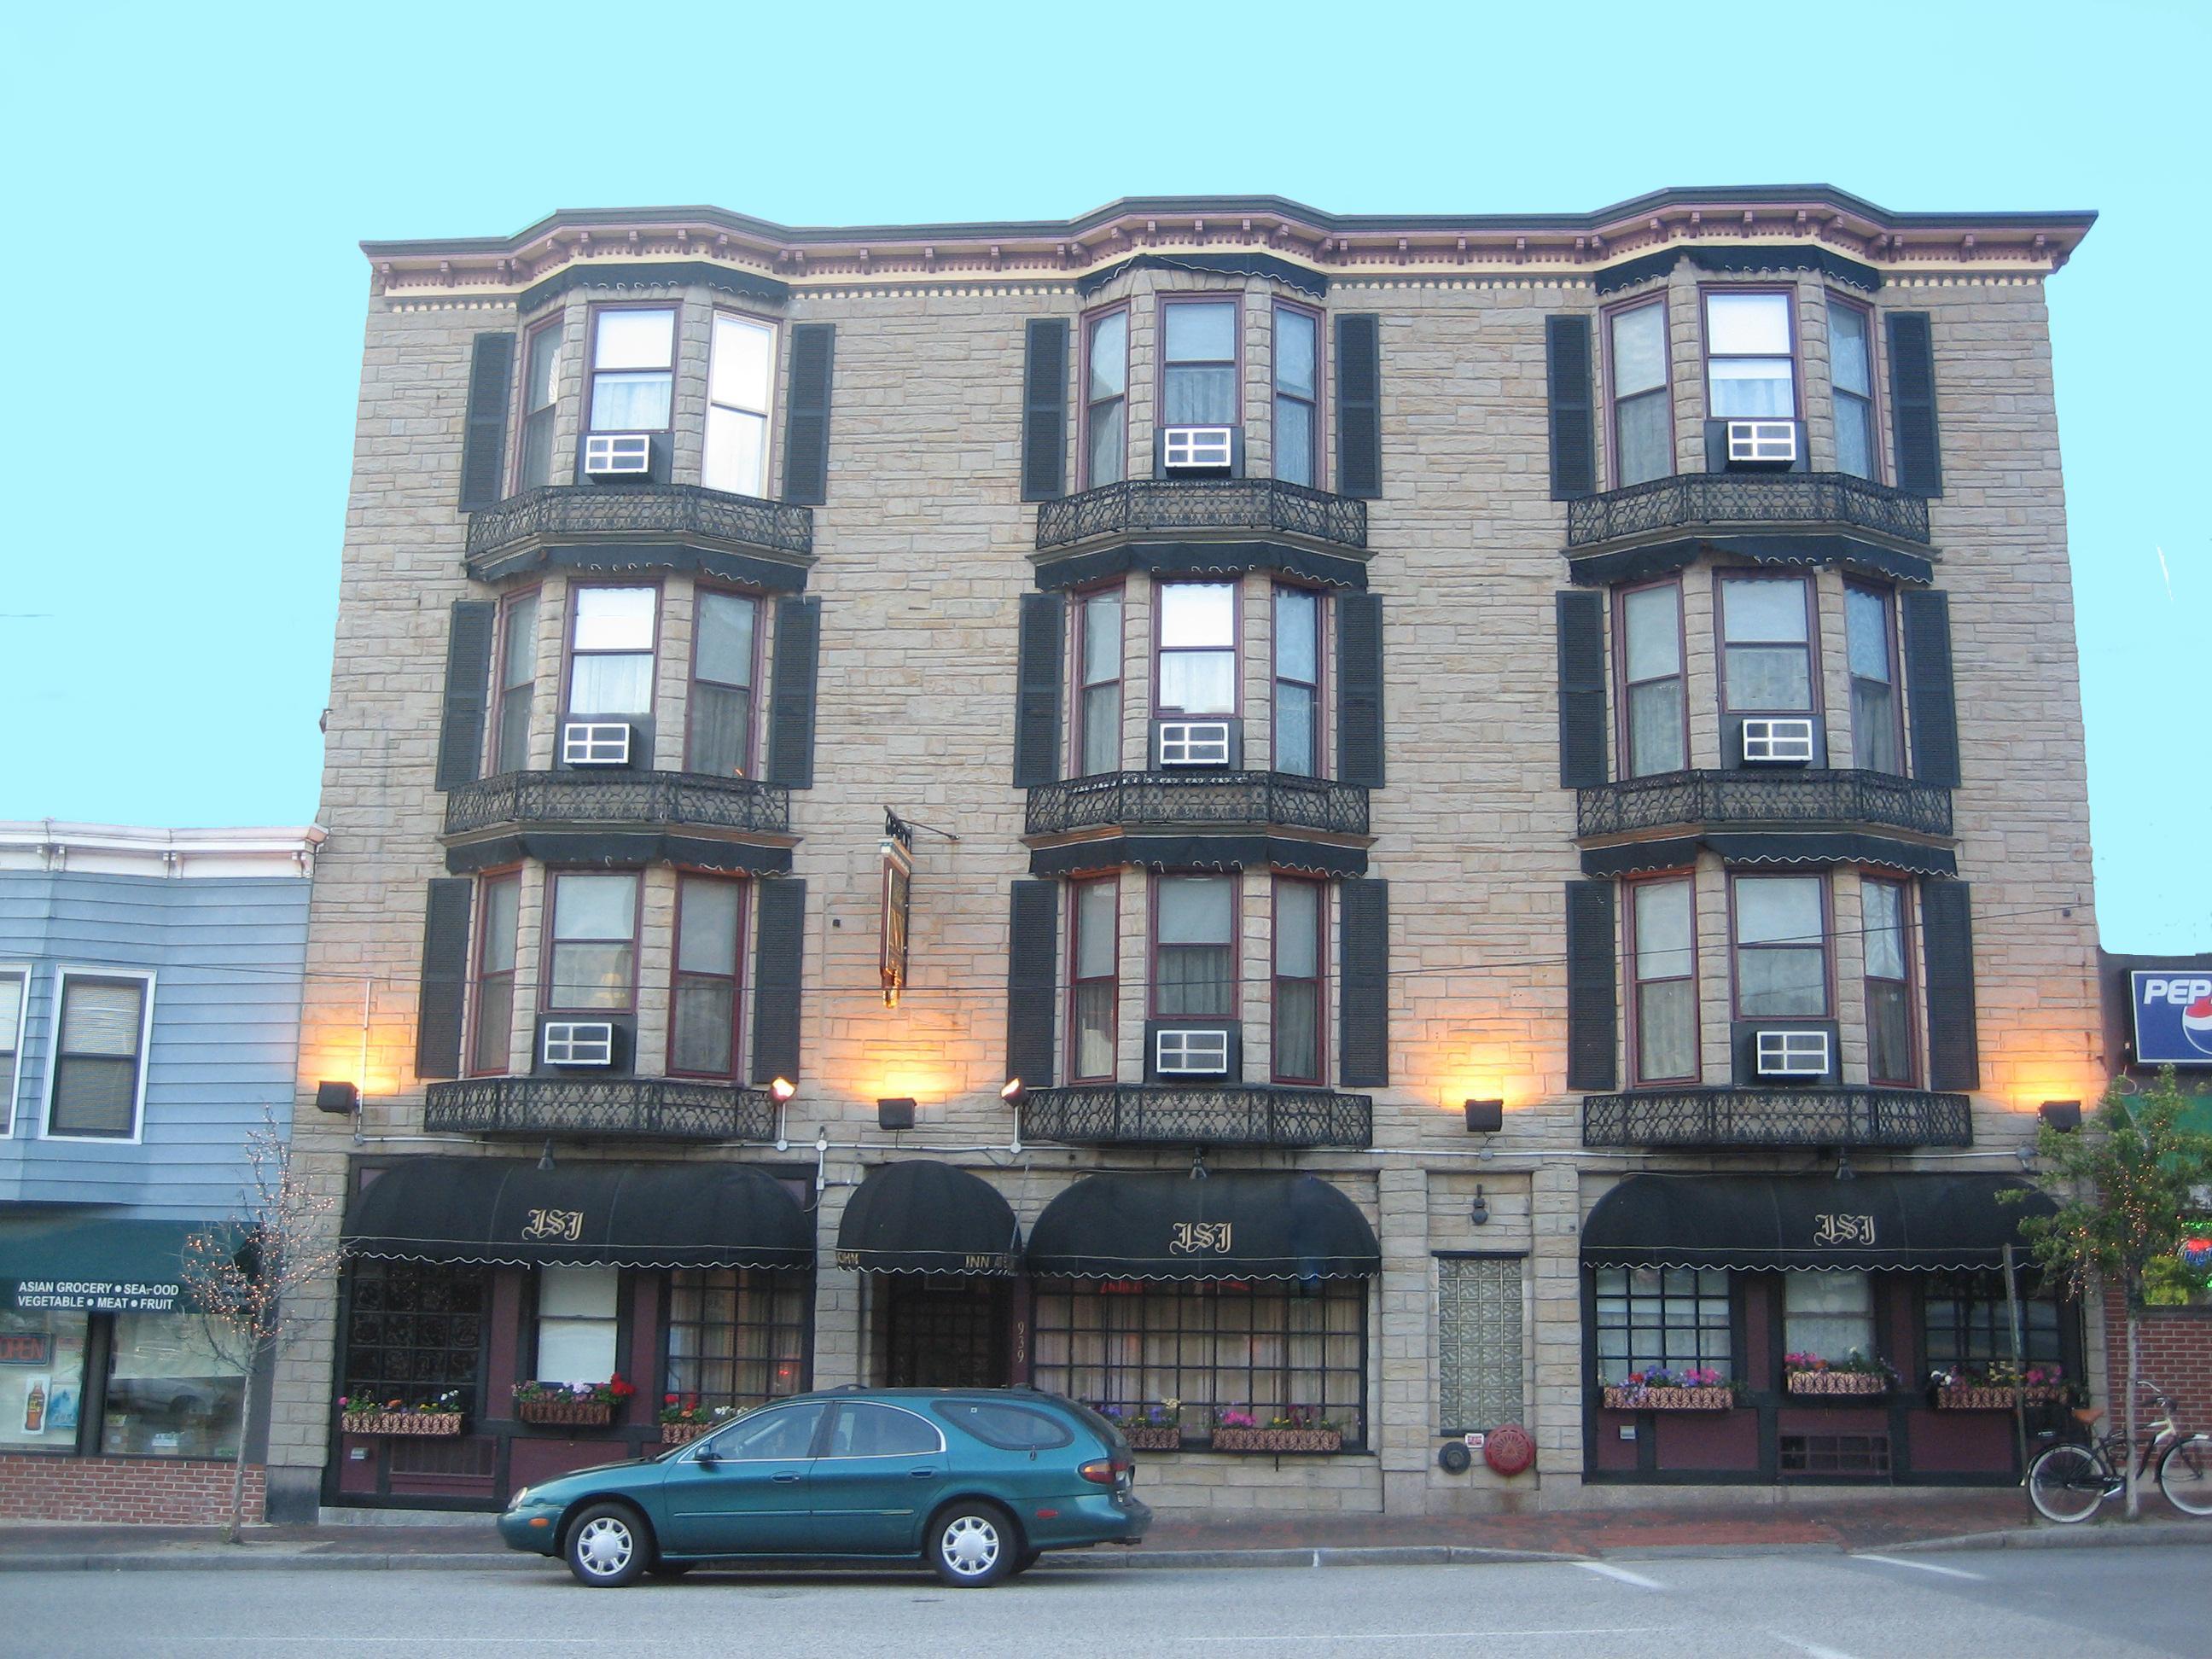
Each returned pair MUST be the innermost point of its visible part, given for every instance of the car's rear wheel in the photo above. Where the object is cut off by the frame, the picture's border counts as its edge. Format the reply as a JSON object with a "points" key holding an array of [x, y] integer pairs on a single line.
{"points": [[973, 1544], [607, 1546]]}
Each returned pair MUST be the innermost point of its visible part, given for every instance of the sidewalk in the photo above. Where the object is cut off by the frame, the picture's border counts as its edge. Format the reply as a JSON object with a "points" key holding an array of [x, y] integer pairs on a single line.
{"points": [[1982, 1520]]}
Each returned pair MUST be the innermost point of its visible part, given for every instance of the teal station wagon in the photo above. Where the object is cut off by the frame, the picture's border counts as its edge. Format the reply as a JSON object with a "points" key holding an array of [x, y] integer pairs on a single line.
{"points": [[978, 1483]]}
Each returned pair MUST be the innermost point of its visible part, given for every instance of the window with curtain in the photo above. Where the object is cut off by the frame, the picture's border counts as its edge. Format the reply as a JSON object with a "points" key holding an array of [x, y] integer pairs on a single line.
{"points": [[611, 651], [1830, 1315], [1877, 725], [497, 910], [1969, 1323], [13, 982], [702, 1031], [1298, 680], [1781, 947], [578, 1316], [633, 369], [1751, 364], [1766, 658], [1677, 1317], [1651, 665], [100, 1056], [1851, 370], [1643, 421], [1884, 912], [1094, 974], [1298, 912], [737, 1336], [1106, 398], [723, 657], [1198, 363], [1661, 916], [1297, 395], [518, 683], [1098, 677], [593, 961], [1194, 970], [541, 404], [1198, 648], [740, 372]]}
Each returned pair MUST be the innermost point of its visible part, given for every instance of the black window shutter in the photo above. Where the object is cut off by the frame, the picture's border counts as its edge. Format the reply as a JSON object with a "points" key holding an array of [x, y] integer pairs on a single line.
{"points": [[1946, 923], [1360, 689], [1567, 371], [779, 953], [1912, 403], [806, 429], [468, 686], [791, 692], [1044, 410], [484, 440], [1032, 964], [1592, 1012], [444, 990], [1928, 687], [1359, 406], [1581, 690], [1364, 1013], [1037, 706]]}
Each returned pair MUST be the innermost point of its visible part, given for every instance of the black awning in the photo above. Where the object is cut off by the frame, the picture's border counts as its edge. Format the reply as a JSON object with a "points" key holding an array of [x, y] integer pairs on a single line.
{"points": [[1228, 1226], [1786, 847], [923, 1217], [506, 1212], [1075, 567], [1894, 1222], [1206, 849]]}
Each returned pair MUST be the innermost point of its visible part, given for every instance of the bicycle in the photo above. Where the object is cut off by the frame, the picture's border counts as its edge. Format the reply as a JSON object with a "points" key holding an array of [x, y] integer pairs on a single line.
{"points": [[2069, 1481]]}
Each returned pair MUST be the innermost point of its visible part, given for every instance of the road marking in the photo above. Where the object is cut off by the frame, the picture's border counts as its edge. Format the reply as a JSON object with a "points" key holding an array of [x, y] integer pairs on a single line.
{"points": [[1621, 1574], [1428, 1635], [1923, 1567], [1810, 1649]]}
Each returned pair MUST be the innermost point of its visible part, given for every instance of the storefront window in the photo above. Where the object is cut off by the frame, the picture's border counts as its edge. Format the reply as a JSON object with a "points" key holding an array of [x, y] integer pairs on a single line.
{"points": [[1828, 1313], [413, 1330], [41, 1380], [576, 1318], [736, 1336], [170, 1394], [1675, 1317], [1970, 1324], [1264, 1350]]}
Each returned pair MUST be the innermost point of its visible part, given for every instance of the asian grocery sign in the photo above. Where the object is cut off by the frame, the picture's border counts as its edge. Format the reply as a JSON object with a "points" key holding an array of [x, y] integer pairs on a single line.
{"points": [[92, 1295], [2173, 1016]]}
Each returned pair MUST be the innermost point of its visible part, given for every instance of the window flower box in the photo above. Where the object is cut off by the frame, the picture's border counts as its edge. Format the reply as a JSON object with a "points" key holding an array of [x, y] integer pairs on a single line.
{"points": [[1837, 1383], [443, 1424], [682, 1434], [1228, 1439], [1972, 1397], [1633, 1397], [1152, 1437], [571, 1405]]}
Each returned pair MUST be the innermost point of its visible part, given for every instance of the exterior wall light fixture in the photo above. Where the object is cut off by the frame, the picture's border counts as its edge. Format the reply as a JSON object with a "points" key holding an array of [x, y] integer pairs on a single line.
{"points": [[895, 1113], [1480, 1214], [2063, 1115], [341, 1097], [1485, 1117]]}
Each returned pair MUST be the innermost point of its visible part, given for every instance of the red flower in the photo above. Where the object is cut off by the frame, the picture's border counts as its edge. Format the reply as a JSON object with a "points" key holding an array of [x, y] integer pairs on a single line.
{"points": [[668, 1400]]}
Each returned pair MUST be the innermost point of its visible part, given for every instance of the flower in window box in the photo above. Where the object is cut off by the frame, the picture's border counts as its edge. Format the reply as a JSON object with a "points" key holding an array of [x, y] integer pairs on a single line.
{"points": [[1812, 1373]]}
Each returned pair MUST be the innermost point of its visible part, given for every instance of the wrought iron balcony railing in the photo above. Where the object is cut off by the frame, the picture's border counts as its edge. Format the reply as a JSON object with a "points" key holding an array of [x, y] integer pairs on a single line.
{"points": [[1133, 1114], [1170, 504], [560, 510], [1710, 1118], [1124, 799], [1670, 799], [627, 1108], [692, 798], [1743, 499]]}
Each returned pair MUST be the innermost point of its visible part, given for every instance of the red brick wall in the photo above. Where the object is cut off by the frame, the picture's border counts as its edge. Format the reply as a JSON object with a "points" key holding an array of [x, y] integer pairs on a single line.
{"points": [[162, 1491], [2175, 1351]]}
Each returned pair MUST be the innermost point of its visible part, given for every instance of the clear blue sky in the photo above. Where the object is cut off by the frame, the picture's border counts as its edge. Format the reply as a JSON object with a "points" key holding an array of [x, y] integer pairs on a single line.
{"points": [[188, 184]]}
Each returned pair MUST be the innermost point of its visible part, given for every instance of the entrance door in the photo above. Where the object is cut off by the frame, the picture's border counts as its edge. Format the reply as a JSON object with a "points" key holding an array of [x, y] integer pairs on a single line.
{"points": [[947, 1334]]}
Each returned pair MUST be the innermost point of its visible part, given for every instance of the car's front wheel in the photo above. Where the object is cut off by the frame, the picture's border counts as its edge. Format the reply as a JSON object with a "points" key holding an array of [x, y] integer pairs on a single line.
{"points": [[973, 1544], [607, 1546]]}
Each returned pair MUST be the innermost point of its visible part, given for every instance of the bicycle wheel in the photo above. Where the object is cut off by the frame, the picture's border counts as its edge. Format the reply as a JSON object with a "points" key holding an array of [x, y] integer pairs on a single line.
{"points": [[2066, 1483], [2185, 1474]]}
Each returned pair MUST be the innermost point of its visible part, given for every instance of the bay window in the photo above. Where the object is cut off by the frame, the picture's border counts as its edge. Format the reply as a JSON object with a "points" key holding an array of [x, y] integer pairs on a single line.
{"points": [[541, 405], [592, 949], [1198, 648], [1662, 924], [497, 911], [1877, 719], [1828, 1315], [1781, 947], [1766, 655], [1657, 713], [610, 645], [1850, 371], [702, 1025], [1198, 363], [518, 683], [740, 369], [578, 1316], [98, 1078], [1298, 680], [1194, 958], [1751, 363], [1106, 398], [1643, 417], [633, 369], [1675, 1317], [1883, 907], [1297, 395], [724, 655], [1299, 909], [1095, 977], [1098, 683]]}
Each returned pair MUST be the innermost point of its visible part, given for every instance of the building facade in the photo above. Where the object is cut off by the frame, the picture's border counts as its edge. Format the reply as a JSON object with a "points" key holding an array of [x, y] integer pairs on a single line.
{"points": [[1335, 828], [149, 1010]]}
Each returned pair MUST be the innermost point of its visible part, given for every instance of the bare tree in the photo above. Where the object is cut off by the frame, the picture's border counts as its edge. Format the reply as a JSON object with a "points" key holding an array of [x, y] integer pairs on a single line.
{"points": [[241, 1273]]}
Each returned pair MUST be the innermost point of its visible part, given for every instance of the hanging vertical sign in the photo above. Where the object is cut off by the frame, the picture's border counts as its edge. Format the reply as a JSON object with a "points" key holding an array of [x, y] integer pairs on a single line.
{"points": [[898, 887]]}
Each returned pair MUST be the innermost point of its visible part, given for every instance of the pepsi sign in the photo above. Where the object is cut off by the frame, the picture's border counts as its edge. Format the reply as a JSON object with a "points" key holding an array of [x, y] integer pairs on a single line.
{"points": [[2173, 1017]]}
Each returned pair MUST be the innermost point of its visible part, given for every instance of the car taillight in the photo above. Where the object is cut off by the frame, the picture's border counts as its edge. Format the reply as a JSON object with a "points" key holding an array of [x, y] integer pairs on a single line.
{"points": [[1099, 1469]]}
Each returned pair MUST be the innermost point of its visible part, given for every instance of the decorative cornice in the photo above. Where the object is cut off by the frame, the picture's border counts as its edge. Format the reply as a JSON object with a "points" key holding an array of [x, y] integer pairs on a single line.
{"points": [[1333, 247]]}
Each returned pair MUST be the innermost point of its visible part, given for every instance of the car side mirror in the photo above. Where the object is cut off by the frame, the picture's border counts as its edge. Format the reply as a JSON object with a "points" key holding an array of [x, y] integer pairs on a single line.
{"points": [[707, 1458]]}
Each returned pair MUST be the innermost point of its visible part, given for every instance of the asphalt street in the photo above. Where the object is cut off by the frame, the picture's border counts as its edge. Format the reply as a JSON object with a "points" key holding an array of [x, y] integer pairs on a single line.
{"points": [[2083, 1604]]}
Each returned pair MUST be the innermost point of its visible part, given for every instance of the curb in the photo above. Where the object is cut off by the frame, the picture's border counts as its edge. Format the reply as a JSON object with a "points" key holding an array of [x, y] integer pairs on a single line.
{"points": [[2097, 1534]]}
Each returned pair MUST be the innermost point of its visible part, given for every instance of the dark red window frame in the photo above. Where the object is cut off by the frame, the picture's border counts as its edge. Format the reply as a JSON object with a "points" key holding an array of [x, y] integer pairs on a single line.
{"points": [[735, 979]]}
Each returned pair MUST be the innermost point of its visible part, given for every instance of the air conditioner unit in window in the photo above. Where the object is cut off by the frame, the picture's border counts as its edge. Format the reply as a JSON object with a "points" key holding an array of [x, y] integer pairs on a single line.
{"points": [[618, 454], [595, 742], [1198, 448], [1762, 443], [1194, 743], [578, 1043], [1187, 1051], [1777, 742], [1793, 1053]]}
